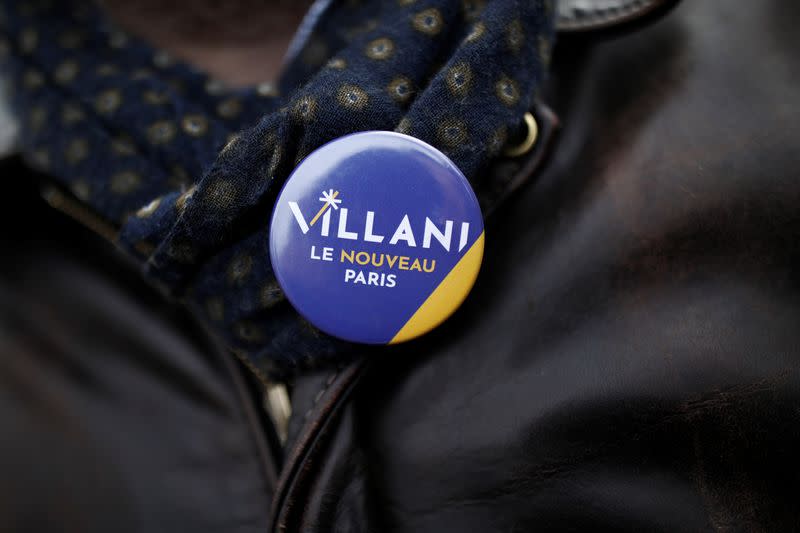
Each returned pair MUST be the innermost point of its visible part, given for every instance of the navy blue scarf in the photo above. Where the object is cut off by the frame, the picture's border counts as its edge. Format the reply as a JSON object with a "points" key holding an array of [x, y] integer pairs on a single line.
{"points": [[186, 170]]}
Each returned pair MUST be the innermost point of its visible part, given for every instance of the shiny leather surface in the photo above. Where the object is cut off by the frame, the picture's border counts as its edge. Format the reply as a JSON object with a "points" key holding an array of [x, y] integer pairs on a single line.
{"points": [[118, 413], [628, 360]]}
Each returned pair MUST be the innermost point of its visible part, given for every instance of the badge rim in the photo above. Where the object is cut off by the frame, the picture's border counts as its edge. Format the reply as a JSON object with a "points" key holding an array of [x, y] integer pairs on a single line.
{"points": [[467, 282]]}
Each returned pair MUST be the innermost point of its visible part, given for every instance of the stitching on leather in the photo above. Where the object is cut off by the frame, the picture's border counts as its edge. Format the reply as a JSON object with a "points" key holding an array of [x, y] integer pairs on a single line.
{"points": [[321, 393], [595, 15]]}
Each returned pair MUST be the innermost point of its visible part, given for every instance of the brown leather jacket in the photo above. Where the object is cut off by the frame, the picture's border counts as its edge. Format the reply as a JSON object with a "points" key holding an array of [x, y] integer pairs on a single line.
{"points": [[627, 361]]}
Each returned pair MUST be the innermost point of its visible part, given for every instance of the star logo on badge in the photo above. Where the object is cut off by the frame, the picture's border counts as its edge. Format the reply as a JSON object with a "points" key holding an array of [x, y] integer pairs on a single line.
{"points": [[329, 199]]}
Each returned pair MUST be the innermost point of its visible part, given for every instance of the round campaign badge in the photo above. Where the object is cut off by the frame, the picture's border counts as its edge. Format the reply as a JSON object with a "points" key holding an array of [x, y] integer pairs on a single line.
{"points": [[377, 238]]}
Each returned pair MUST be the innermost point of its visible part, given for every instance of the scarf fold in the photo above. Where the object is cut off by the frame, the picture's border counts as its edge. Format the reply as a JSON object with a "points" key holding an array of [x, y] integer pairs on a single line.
{"points": [[188, 169]]}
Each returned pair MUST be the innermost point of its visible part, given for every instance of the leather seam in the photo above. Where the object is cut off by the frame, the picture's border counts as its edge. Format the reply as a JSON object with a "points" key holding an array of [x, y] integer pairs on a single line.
{"points": [[295, 470], [331, 379]]}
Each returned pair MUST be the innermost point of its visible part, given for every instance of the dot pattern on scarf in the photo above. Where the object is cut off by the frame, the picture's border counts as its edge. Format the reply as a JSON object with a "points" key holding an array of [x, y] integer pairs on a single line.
{"points": [[188, 169]]}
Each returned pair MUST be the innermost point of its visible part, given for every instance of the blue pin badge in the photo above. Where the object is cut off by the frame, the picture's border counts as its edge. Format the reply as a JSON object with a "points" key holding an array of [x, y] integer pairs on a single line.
{"points": [[376, 238]]}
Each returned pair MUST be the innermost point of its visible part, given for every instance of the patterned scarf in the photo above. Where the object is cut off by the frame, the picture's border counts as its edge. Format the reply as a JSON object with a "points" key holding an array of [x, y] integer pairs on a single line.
{"points": [[186, 170]]}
